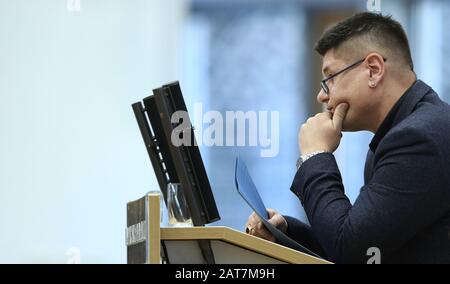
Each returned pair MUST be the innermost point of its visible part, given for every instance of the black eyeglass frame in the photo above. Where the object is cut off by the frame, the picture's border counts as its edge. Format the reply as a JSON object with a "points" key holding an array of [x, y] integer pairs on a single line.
{"points": [[323, 83]]}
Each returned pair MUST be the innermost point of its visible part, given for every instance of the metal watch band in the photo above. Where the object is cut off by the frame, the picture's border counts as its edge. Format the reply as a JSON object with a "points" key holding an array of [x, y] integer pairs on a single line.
{"points": [[303, 158]]}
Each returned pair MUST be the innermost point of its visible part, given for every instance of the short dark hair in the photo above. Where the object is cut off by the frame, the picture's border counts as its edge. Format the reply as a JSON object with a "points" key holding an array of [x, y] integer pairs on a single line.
{"points": [[381, 30]]}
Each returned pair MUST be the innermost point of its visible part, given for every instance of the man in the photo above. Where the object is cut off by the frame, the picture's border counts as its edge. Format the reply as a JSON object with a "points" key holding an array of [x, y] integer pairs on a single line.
{"points": [[403, 209]]}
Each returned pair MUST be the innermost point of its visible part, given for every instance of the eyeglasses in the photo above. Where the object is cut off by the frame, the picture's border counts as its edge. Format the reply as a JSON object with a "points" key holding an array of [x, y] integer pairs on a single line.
{"points": [[323, 83]]}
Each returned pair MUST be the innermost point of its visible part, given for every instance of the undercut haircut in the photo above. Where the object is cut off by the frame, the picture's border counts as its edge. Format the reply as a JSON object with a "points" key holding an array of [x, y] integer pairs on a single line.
{"points": [[367, 32]]}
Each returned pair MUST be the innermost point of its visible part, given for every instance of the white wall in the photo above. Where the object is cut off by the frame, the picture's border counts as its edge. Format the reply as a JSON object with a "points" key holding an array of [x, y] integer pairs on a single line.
{"points": [[71, 155]]}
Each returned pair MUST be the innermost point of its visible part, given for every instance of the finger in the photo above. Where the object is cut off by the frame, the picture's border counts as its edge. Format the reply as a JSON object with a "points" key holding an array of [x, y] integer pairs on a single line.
{"points": [[253, 219], [252, 222], [261, 232], [339, 115], [271, 212], [274, 220], [264, 234], [250, 228]]}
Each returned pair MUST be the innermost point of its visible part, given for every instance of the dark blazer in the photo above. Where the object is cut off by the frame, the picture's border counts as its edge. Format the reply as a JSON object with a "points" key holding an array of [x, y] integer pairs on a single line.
{"points": [[403, 209]]}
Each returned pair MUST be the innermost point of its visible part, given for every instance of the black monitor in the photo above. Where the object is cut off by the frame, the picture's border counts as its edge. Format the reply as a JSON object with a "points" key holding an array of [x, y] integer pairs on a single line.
{"points": [[175, 164]]}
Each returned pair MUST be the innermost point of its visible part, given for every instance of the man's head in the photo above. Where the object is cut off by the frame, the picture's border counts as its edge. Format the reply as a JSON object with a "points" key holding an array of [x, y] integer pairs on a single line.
{"points": [[381, 47]]}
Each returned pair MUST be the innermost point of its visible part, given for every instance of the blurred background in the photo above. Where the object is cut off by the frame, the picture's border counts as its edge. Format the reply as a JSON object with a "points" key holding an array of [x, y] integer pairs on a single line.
{"points": [[71, 155]]}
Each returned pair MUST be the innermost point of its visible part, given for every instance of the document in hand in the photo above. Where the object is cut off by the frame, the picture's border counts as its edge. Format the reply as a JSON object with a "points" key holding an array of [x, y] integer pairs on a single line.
{"points": [[249, 192]]}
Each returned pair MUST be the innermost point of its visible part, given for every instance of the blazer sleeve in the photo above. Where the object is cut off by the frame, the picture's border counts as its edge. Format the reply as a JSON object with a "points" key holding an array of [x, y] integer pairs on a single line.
{"points": [[407, 192], [302, 233]]}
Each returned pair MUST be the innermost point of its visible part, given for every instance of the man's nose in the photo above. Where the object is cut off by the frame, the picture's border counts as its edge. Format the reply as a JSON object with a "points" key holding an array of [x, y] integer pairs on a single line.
{"points": [[322, 97]]}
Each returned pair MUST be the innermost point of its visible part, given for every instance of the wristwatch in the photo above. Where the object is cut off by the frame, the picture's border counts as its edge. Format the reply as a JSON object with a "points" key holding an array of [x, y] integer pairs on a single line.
{"points": [[303, 158]]}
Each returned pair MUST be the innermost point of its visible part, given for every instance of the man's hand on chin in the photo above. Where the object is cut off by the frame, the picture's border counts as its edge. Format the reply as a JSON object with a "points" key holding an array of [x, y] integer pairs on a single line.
{"points": [[322, 132]]}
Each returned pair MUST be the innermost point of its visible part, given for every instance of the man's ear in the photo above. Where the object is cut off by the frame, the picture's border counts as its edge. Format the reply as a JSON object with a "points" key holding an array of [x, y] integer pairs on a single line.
{"points": [[375, 65]]}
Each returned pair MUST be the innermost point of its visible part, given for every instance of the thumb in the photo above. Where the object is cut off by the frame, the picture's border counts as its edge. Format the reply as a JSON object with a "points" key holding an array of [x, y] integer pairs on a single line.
{"points": [[339, 115]]}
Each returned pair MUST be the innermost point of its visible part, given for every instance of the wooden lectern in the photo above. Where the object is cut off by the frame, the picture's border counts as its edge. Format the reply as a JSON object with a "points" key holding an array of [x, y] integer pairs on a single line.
{"points": [[147, 242]]}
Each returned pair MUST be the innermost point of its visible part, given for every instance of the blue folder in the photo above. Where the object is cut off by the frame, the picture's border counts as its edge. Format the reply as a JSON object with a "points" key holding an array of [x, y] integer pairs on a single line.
{"points": [[247, 189]]}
